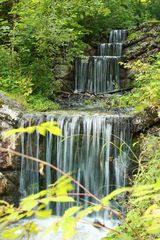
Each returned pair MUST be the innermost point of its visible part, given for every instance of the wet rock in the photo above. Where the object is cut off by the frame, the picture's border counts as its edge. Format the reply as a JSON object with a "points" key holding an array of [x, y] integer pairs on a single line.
{"points": [[8, 120], [8, 185], [8, 116], [9, 164], [154, 130], [10, 102], [146, 119], [62, 71]]}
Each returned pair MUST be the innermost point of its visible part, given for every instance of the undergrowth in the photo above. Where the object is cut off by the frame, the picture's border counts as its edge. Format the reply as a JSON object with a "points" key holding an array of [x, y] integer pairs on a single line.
{"points": [[36, 102], [146, 91], [143, 213]]}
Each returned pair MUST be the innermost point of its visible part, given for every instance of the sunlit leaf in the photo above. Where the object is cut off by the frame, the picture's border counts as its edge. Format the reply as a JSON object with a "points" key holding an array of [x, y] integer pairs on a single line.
{"points": [[30, 129], [48, 124], [11, 233], [69, 228], [56, 199], [41, 130], [106, 200], [88, 210], [13, 131], [55, 130], [28, 205], [44, 213], [71, 211]]}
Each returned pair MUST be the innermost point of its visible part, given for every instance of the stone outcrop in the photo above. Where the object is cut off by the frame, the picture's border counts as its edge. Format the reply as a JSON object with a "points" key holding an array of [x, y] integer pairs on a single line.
{"points": [[65, 74], [143, 42], [146, 119], [9, 165]]}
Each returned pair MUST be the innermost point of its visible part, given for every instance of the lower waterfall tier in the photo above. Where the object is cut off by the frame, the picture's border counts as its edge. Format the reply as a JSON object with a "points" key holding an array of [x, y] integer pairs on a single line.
{"points": [[94, 149]]}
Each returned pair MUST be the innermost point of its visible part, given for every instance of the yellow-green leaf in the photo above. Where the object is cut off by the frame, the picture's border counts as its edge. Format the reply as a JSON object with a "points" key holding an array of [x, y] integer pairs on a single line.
{"points": [[49, 124], [28, 205], [55, 130], [69, 228], [71, 211], [44, 213], [30, 129], [11, 233], [56, 199], [41, 130], [12, 131], [106, 200]]}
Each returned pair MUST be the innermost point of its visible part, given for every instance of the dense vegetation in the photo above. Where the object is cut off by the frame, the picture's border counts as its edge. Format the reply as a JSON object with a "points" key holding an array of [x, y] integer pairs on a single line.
{"points": [[146, 91], [36, 36], [144, 205]]}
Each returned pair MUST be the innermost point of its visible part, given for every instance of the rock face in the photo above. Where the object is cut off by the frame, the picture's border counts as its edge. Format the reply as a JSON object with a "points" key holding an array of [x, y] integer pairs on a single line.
{"points": [[9, 165], [143, 42], [65, 74], [145, 120]]}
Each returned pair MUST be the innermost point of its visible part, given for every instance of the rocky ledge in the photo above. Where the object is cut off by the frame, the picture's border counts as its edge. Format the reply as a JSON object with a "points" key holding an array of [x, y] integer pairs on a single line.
{"points": [[9, 165]]}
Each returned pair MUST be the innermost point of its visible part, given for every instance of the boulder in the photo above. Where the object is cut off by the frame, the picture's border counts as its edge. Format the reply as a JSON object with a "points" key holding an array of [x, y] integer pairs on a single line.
{"points": [[146, 119], [9, 164]]}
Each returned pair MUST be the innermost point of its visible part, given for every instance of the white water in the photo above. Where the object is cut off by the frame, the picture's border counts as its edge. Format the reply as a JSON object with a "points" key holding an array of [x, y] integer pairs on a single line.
{"points": [[101, 74], [89, 150], [84, 230]]}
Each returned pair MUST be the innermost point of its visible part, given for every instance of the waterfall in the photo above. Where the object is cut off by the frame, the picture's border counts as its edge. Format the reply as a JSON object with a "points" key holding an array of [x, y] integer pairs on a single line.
{"points": [[93, 149], [117, 36], [110, 49], [101, 74]]}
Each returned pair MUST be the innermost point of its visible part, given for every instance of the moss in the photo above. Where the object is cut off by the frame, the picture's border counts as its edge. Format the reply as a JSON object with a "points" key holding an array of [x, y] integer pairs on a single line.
{"points": [[1, 102], [37, 103], [40, 104]]}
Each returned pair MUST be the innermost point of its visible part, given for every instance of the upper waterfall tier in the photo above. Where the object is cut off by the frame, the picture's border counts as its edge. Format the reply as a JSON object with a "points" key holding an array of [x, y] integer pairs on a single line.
{"points": [[94, 149], [110, 49], [101, 74], [118, 36]]}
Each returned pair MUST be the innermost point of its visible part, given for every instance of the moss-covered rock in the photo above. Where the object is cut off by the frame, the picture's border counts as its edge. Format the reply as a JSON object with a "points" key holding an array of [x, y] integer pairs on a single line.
{"points": [[143, 42]]}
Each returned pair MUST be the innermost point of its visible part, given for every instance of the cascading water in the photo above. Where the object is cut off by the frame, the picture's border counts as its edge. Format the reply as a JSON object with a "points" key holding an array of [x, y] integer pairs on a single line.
{"points": [[93, 148], [101, 74]]}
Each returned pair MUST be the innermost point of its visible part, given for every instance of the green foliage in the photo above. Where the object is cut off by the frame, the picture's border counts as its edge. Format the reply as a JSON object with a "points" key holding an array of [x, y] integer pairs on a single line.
{"points": [[38, 35], [40, 103], [147, 86], [32, 206], [8, 73], [123, 14], [51, 127], [144, 202], [56, 28], [153, 8], [134, 36]]}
